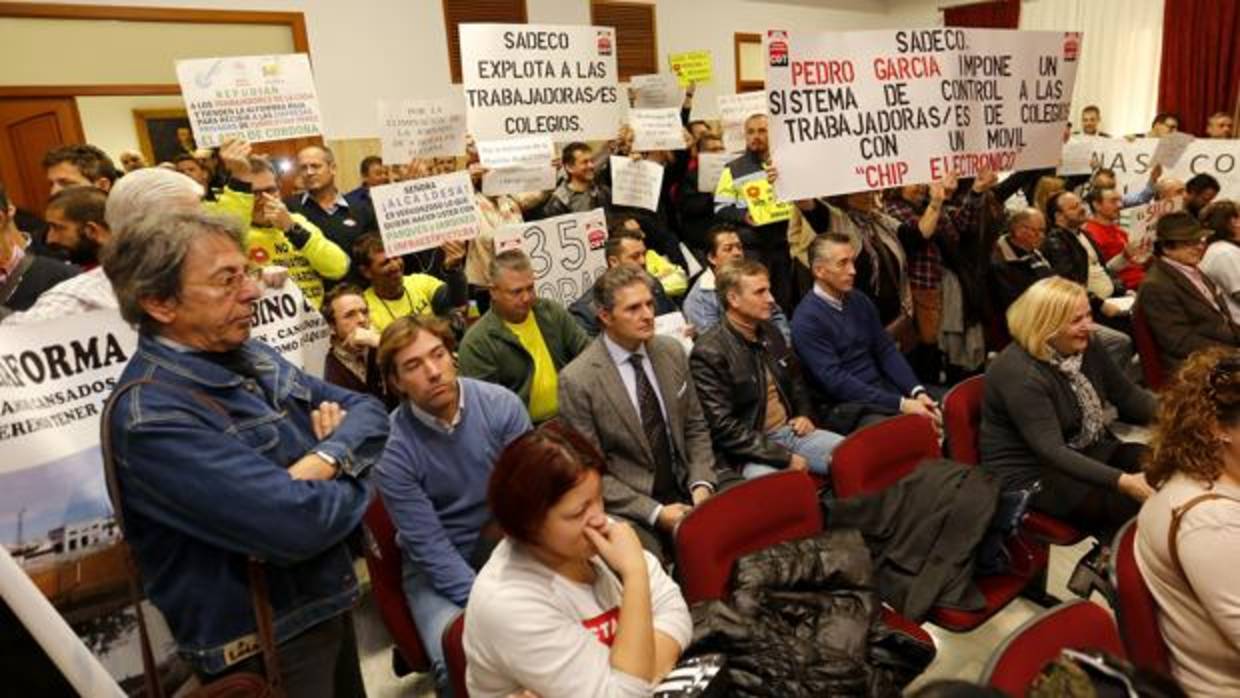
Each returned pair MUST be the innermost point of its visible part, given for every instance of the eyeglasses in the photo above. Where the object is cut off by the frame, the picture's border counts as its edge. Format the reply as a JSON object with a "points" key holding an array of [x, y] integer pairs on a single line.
{"points": [[235, 281]]}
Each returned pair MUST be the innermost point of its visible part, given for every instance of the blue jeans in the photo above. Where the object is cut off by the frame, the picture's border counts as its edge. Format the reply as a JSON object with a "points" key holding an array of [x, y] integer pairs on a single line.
{"points": [[432, 613], [815, 447]]}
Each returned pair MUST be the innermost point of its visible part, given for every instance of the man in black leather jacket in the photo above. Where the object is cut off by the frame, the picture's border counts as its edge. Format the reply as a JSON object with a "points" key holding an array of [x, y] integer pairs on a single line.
{"points": [[749, 383]]}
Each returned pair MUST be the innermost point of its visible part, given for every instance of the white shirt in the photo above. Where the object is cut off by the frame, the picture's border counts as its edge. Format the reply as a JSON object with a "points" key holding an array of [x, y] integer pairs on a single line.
{"points": [[78, 294], [527, 627]]}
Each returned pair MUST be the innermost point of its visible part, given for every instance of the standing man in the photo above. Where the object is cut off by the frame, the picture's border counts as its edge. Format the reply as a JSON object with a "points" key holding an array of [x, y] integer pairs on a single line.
{"points": [[630, 393], [1091, 122], [1219, 125], [580, 192], [268, 462], [522, 342], [374, 174], [323, 204], [747, 179]]}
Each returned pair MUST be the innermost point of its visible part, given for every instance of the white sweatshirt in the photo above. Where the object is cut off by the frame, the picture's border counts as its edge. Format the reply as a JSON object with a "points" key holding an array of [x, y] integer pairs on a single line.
{"points": [[527, 627]]}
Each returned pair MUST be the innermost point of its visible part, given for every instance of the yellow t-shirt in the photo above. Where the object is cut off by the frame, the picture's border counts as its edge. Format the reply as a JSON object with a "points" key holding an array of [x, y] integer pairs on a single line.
{"points": [[416, 300], [543, 403]]}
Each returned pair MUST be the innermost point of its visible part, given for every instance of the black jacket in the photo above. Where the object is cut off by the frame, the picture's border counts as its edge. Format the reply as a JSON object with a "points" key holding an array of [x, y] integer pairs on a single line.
{"points": [[1012, 270], [922, 533], [730, 375], [1068, 259], [804, 621]]}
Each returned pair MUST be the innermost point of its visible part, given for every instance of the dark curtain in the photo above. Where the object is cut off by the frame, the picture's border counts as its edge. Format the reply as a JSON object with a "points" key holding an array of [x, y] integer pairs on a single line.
{"points": [[1001, 14], [1200, 60]]}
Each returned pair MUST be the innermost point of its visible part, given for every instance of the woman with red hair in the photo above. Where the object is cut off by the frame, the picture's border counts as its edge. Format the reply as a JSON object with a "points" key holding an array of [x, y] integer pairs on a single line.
{"points": [[568, 604]]}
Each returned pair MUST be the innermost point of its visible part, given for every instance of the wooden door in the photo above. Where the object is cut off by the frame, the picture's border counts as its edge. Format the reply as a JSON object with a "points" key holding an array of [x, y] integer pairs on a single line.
{"points": [[28, 129]]}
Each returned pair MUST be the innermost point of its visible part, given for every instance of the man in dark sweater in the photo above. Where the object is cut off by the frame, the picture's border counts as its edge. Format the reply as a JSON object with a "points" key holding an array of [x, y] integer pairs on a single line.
{"points": [[24, 275], [849, 357]]}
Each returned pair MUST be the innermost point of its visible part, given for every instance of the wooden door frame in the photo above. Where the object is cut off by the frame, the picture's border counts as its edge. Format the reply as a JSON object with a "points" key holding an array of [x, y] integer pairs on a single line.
{"points": [[738, 39], [295, 21]]}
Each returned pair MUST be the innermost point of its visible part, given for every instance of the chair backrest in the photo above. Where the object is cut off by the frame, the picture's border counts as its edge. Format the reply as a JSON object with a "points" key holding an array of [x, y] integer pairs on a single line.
{"points": [[1079, 624], [873, 458], [743, 519], [962, 418], [1147, 348], [383, 559], [454, 655], [1136, 610]]}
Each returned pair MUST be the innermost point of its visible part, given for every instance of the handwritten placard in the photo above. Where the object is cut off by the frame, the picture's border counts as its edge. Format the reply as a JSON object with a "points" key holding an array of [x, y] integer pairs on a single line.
{"points": [[658, 91], [516, 152], [656, 129], [421, 128], [733, 111], [635, 183], [518, 180]]}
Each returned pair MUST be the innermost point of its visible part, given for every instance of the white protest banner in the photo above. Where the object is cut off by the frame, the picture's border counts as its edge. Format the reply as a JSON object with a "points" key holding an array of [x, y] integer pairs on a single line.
{"points": [[418, 214], [516, 152], [1076, 158], [656, 129], [636, 183], [421, 128], [258, 98], [733, 110], [566, 252], [1132, 161], [526, 79], [518, 180], [1171, 148], [55, 516], [657, 91], [894, 107], [710, 167]]}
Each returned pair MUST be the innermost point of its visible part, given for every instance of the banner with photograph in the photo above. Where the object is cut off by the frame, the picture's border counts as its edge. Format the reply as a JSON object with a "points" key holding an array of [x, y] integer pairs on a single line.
{"points": [[893, 107], [527, 79], [258, 98], [566, 252]]}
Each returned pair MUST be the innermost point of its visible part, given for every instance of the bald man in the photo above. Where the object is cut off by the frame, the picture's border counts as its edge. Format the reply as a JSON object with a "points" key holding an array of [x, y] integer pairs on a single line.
{"points": [[323, 204]]}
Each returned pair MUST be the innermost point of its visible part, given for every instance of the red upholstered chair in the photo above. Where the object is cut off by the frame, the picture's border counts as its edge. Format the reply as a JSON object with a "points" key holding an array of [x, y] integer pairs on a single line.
{"points": [[454, 655], [744, 519], [1136, 610], [880, 455], [1147, 348], [962, 418], [383, 559], [1079, 624]]}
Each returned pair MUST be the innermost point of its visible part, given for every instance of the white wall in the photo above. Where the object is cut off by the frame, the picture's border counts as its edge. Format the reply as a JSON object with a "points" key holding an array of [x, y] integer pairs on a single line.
{"points": [[365, 50], [108, 121]]}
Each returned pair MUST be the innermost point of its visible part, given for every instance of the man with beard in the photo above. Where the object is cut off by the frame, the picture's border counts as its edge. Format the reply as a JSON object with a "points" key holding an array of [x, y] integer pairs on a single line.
{"points": [[24, 275]]}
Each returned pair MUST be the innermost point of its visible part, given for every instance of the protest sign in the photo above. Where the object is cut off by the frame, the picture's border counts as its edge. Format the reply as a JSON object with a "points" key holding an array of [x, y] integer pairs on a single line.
{"points": [[1171, 148], [518, 180], [710, 166], [525, 79], [1077, 155], [894, 107], [1133, 160], [763, 203], [733, 110], [659, 91], [1145, 220], [691, 67], [516, 152], [636, 183], [566, 252], [418, 214], [55, 515], [421, 128], [258, 98], [657, 129]]}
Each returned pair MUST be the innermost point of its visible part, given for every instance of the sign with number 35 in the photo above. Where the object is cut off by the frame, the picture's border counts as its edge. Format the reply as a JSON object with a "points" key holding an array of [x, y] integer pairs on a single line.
{"points": [[566, 252]]}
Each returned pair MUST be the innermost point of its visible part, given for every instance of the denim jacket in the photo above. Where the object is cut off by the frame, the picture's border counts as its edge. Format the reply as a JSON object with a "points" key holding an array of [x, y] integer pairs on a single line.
{"points": [[202, 492]]}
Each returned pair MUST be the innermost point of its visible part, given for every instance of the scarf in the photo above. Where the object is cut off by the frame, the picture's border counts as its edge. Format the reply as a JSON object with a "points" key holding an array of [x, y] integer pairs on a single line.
{"points": [[1094, 418]]}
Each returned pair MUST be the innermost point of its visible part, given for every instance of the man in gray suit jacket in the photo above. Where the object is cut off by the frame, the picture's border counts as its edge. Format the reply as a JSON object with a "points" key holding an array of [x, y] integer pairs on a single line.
{"points": [[631, 394]]}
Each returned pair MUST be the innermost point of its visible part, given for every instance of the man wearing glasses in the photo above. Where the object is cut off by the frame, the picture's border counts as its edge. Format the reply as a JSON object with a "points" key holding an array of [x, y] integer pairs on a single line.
{"points": [[228, 453]]}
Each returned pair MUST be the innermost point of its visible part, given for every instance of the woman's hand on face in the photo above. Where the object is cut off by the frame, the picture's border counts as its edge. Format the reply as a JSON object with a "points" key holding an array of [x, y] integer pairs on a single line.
{"points": [[619, 547]]}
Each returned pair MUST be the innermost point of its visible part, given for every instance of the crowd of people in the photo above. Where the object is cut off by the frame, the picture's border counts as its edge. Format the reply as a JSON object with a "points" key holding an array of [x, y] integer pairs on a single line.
{"points": [[537, 460]]}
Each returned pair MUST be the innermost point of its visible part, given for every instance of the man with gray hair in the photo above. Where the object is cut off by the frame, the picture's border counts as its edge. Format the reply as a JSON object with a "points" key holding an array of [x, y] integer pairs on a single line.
{"points": [[523, 341], [226, 452], [631, 395], [323, 204]]}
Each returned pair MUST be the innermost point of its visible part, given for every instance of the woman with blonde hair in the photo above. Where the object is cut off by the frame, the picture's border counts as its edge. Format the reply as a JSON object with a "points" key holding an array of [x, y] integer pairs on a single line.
{"points": [[1051, 397], [1188, 532]]}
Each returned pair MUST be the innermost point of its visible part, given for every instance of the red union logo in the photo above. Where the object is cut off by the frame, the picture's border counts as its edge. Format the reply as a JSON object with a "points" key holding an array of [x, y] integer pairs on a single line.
{"points": [[777, 48], [604, 44], [597, 238], [1071, 46]]}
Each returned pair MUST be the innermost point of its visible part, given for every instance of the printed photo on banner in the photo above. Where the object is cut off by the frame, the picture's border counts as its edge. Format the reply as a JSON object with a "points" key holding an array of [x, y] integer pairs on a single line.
{"points": [[658, 91], [258, 98], [527, 151], [657, 129], [1133, 160], [710, 166], [419, 214], [421, 128], [691, 67], [636, 183], [733, 110], [566, 252], [518, 180], [894, 107], [55, 516], [528, 79]]}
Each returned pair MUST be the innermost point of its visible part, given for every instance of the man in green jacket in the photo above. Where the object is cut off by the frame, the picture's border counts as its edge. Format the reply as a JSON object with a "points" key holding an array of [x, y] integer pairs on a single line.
{"points": [[523, 341]]}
